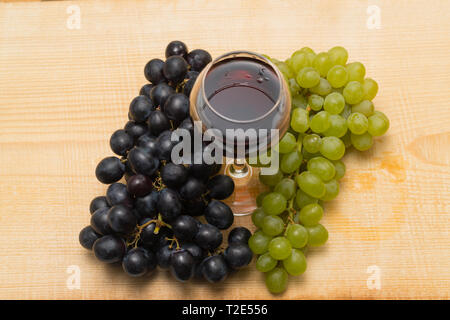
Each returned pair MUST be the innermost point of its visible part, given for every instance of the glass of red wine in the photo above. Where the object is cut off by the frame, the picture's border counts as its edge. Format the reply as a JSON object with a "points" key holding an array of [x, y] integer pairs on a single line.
{"points": [[242, 90]]}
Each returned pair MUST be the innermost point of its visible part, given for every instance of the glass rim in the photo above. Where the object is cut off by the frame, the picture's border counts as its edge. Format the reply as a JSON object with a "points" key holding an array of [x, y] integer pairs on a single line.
{"points": [[250, 54]]}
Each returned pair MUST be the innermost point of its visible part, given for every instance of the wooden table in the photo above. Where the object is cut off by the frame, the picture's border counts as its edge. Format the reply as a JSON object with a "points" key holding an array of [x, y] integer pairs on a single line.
{"points": [[64, 90]]}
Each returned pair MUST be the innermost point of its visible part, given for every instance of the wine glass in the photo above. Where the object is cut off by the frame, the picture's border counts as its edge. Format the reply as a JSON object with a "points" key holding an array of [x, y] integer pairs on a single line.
{"points": [[241, 90]]}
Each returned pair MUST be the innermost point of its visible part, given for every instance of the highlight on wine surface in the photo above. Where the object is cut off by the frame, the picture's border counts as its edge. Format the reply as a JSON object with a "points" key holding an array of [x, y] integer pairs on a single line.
{"points": [[170, 202]]}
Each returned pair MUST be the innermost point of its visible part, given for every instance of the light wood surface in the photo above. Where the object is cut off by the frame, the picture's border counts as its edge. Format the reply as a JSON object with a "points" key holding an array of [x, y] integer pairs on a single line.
{"points": [[64, 91]]}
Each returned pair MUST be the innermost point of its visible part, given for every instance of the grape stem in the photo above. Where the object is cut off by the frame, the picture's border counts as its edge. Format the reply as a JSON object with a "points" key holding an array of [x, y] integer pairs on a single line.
{"points": [[137, 233], [174, 240]]}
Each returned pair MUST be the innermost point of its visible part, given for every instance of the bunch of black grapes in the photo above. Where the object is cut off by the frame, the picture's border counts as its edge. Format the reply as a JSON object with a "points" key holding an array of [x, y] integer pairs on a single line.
{"points": [[152, 220]]}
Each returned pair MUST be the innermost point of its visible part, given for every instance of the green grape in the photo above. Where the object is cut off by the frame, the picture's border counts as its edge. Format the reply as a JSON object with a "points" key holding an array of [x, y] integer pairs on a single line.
{"points": [[381, 114], [322, 167], [307, 50], [300, 120], [280, 248], [347, 140], [271, 180], [340, 169], [338, 55], [299, 101], [353, 92], [322, 63], [272, 225], [322, 88], [302, 199], [337, 76], [287, 72], [259, 242], [295, 264], [311, 214], [308, 77], [286, 187], [287, 143], [334, 103], [260, 198], [346, 112], [265, 262], [312, 142], [332, 190], [361, 142], [378, 125], [300, 60], [276, 280], [316, 102], [317, 235], [258, 217], [356, 71], [370, 87], [297, 235], [357, 123], [338, 126], [311, 184], [291, 162], [274, 203], [332, 148], [365, 107], [294, 88], [320, 122]]}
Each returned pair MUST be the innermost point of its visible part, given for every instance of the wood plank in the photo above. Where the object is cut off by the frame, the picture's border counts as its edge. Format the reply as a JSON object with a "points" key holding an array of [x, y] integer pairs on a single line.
{"points": [[64, 91]]}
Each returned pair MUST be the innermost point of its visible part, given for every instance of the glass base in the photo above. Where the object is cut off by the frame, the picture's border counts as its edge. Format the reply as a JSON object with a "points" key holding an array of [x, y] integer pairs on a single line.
{"points": [[246, 188]]}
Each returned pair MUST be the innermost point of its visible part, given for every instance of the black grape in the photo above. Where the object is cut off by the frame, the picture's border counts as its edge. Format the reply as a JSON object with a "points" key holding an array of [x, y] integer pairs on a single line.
{"points": [[142, 162], [215, 268], [153, 71], [219, 214], [198, 59], [220, 187], [121, 142], [164, 145], [135, 130], [139, 185], [200, 171], [109, 170], [174, 175], [239, 235], [238, 255], [194, 207], [169, 204], [121, 219], [146, 206], [175, 69], [148, 142], [192, 188], [97, 203], [198, 253], [208, 237], [87, 237], [138, 261], [109, 249], [187, 125], [158, 122], [163, 256], [185, 228], [140, 108], [182, 265], [160, 93], [177, 107], [99, 221], [148, 236], [176, 48], [117, 193], [145, 90]]}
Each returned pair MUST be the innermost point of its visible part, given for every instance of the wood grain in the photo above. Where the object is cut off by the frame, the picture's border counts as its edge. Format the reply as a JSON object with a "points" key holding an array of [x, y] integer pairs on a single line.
{"points": [[63, 92]]}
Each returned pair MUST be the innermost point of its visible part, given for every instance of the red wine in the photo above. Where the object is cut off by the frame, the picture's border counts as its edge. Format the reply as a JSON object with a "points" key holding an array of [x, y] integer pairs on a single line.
{"points": [[242, 89], [241, 93]]}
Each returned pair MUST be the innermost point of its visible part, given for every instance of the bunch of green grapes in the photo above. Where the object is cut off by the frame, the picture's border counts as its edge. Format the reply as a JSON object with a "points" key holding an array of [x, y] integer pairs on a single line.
{"points": [[332, 110]]}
